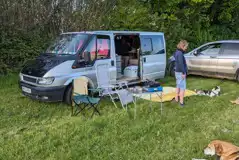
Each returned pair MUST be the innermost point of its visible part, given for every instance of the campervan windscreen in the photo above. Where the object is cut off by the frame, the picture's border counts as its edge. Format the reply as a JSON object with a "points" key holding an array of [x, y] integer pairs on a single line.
{"points": [[68, 44]]}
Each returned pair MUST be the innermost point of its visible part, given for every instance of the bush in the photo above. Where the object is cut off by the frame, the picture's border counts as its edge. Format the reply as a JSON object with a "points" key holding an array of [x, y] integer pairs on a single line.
{"points": [[18, 48]]}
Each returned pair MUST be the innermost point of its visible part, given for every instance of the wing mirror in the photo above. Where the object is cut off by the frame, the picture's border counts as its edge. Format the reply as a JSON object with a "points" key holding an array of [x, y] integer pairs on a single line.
{"points": [[195, 53], [81, 61]]}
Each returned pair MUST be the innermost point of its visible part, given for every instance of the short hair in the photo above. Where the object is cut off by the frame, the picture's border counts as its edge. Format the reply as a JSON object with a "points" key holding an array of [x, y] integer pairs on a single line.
{"points": [[182, 43]]}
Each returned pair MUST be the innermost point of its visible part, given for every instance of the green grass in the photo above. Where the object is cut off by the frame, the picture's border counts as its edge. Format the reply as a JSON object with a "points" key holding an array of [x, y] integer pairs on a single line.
{"points": [[35, 130]]}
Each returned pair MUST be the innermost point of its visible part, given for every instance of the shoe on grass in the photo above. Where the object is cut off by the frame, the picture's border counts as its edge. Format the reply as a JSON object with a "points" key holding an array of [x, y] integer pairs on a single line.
{"points": [[182, 104]]}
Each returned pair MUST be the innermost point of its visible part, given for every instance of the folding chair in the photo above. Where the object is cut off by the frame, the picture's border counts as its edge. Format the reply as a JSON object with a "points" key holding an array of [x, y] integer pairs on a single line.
{"points": [[125, 98], [81, 99], [114, 91]]}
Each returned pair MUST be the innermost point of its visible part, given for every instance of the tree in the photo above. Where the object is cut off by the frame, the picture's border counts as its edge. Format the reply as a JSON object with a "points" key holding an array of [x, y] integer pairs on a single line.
{"points": [[131, 15]]}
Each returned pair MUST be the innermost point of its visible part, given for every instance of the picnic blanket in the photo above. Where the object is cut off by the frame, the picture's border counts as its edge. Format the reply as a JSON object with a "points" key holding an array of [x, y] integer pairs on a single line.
{"points": [[167, 95]]}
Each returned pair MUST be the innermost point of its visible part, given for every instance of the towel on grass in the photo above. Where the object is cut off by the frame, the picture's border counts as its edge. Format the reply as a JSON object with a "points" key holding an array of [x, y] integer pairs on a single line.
{"points": [[167, 95]]}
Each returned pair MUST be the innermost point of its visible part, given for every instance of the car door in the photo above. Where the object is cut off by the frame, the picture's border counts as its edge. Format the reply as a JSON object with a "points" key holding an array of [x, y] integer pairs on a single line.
{"points": [[194, 62], [204, 61], [97, 52], [153, 56], [228, 60]]}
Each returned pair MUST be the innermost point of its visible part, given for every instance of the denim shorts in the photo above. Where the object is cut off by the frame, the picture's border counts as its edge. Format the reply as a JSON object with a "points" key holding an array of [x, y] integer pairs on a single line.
{"points": [[180, 82]]}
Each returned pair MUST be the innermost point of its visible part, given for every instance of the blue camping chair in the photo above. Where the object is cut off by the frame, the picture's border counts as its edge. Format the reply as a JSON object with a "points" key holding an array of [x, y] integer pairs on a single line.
{"points": [[81, 99]]}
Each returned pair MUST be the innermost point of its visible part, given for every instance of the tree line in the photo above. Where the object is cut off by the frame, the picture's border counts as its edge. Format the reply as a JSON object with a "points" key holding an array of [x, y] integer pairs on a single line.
{"points": [[27, 26]]}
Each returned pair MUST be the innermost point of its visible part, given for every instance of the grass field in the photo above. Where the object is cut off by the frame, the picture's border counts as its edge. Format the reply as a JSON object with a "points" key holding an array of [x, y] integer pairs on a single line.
{"points": [[35, 130]]}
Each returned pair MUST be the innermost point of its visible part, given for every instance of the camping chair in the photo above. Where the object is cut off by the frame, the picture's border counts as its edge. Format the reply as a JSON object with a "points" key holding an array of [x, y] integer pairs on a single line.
{"points": [[115, 91], [80, 97], [125, 98]]}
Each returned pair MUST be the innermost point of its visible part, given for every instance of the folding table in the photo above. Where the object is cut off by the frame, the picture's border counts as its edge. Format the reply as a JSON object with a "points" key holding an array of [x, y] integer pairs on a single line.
{"points": [[140, 94]]}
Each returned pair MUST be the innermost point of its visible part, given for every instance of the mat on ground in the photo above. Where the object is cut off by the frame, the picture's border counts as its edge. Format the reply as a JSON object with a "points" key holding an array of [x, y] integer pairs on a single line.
{"points": [[167, 95]]}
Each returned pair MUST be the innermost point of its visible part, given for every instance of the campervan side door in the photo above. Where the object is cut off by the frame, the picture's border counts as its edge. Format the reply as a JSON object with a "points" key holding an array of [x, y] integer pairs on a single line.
{"points": [[99, 51], [153, 56]]}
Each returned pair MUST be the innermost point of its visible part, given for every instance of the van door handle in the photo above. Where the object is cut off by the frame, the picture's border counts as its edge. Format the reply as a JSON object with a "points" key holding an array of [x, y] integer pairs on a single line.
{"points": [[112, 63], [213, 56]]}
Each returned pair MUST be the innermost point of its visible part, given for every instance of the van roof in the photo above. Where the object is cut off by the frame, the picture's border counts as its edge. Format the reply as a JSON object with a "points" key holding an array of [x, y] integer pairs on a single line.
{"points": [[118, 32]]}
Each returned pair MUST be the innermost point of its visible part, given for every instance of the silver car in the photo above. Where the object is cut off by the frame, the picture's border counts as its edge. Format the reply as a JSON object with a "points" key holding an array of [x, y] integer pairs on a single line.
{"points": [[49, 77], [218, 59]]}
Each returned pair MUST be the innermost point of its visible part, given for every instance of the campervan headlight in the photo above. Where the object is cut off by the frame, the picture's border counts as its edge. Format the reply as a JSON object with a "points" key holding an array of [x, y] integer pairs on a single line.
{"points": [[45, 81]]}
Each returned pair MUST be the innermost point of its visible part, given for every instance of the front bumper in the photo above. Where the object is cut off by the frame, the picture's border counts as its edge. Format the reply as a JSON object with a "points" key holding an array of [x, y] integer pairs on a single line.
{"points": [[46, 94]]}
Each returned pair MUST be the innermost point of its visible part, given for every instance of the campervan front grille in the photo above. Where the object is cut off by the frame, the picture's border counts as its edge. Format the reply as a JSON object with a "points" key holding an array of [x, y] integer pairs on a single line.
{"points": [[29, 79]]}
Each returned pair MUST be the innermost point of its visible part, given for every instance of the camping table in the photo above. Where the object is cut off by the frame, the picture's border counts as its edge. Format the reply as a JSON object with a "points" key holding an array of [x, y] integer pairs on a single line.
{"points": [[140, 95]]}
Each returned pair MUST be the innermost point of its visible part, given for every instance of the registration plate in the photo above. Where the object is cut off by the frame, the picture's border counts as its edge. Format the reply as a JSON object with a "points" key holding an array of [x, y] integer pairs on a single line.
{"points": [[27, 90]]}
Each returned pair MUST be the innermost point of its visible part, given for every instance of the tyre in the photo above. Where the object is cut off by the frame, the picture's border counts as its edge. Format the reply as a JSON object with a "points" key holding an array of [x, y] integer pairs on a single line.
{"points": [[171, 69], [68, 95]]}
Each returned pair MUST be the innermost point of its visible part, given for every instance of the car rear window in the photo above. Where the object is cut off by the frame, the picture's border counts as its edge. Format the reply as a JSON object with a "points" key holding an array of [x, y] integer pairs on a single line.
{"points": [[231, 49]]}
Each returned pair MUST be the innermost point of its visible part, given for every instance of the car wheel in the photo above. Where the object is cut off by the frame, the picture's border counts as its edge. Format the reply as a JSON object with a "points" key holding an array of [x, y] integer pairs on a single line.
{"points": [[68, 95], [171, 69]]}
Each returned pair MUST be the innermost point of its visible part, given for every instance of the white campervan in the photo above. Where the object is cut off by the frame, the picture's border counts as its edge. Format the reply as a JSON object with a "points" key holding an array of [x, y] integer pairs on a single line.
{"points": [[132, 57]]}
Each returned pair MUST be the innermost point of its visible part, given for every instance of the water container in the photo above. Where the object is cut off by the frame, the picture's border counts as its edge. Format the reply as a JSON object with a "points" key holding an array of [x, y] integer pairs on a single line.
{"points": [[131, 71]]}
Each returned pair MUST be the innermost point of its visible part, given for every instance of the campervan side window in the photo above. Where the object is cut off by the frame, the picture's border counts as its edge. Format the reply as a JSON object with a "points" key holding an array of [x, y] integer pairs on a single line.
{"points": [[152, 45], [98, 48], [146, 46], [103, 47], [158, 45], [89, 54]]}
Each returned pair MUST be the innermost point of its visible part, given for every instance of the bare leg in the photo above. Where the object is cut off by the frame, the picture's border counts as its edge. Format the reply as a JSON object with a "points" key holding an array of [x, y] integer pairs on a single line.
{"points": [[177, 94], [181, 96]]}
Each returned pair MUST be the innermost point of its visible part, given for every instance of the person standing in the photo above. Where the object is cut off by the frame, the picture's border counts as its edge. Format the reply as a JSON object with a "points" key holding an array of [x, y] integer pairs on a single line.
{"points": [[125, 48], [180, 71]]}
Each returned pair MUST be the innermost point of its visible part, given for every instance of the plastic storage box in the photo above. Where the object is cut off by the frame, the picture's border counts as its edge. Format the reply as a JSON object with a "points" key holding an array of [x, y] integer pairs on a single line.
{"points": [[131, 71]]}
